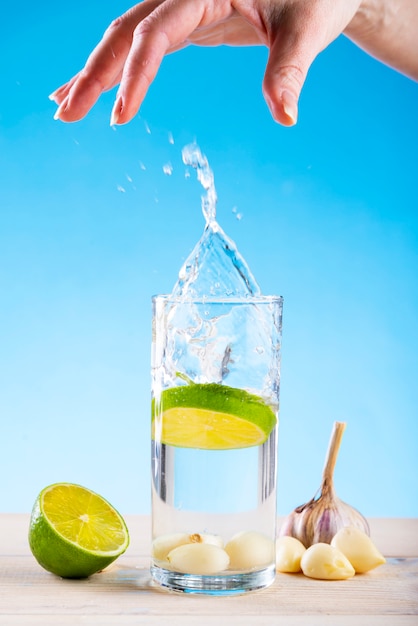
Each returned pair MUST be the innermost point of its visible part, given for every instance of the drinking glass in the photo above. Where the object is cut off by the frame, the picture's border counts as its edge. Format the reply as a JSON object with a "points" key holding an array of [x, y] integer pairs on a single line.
{"points": [[215, 404]]}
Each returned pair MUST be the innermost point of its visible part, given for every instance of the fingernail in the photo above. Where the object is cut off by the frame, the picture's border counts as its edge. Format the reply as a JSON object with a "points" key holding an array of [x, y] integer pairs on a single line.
{"points": [[61, 109], [290, 106], [116, 111], [54, 96]]}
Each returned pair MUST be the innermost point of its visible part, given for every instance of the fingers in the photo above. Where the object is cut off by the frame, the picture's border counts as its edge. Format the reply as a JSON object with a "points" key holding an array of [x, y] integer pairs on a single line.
{"points": [[103, 68], [294, 43], [283, 81], [296, 37], [131, 52], [62, 92], [133, 47], [166, 29]]}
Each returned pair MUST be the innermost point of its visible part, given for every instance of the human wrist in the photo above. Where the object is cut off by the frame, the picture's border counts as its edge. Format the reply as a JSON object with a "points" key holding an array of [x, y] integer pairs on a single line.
{"points": [[386, 29], [373, 19]]}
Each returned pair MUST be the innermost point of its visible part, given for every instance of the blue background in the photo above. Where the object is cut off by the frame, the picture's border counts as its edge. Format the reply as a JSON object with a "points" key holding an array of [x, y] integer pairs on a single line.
{"points": [[324, 213]]}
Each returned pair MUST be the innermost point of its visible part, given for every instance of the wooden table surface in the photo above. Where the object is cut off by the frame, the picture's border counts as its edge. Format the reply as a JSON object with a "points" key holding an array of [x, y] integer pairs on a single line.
{"points": [[124, 593]]}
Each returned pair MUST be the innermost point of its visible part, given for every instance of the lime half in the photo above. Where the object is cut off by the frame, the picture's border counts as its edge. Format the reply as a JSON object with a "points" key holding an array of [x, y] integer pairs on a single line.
{"points": [[211, 417], [74, 532]]}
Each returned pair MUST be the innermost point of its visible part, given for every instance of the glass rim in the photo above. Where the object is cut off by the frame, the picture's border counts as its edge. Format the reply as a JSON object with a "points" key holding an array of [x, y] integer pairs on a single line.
{"points": [[250, 299]]}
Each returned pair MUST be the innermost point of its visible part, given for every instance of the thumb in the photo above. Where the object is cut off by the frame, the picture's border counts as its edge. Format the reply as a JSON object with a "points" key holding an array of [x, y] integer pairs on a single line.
{"points": [[290, 57]]}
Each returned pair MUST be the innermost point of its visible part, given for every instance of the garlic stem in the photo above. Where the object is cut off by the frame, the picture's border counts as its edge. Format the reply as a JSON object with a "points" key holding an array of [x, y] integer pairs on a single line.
{"points": [[327, 485]]}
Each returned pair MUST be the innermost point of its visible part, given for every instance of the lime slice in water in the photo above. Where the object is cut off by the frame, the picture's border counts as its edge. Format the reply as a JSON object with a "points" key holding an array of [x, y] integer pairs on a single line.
{"points": [[74, 532], [212, 417]]}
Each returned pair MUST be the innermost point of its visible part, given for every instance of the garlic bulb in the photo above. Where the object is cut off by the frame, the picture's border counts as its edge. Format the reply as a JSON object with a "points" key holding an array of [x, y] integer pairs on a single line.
{"points": [[322, 517]]}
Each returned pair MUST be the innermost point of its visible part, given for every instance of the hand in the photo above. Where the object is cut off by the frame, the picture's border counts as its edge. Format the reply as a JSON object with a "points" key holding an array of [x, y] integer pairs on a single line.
{"points": [[132, 48]]}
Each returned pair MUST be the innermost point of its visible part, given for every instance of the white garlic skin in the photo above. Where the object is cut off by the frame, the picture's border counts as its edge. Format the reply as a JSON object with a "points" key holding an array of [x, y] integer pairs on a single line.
{"points": [[318, 521], [358, 548], [289, 552], [198, 558], [325, 562], [250, 550]]}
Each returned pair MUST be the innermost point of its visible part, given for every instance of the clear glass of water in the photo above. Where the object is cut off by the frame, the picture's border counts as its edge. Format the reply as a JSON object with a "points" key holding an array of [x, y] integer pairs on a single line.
{"points": [[215, 404]]}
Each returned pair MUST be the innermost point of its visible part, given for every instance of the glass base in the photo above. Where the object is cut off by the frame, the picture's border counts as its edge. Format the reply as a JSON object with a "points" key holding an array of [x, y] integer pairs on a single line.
{"points": [[227, 584]]}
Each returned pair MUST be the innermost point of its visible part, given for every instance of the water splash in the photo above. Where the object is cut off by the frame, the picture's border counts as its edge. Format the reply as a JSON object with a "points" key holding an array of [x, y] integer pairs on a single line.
{"points": [[214, 268], [192, 156]]}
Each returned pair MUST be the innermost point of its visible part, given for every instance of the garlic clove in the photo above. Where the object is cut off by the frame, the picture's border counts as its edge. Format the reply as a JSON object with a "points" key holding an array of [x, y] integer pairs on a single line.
{"points": [[163, 544], [198, 558], [289, 552], [326, 562], [249, 550], [358, 548]]}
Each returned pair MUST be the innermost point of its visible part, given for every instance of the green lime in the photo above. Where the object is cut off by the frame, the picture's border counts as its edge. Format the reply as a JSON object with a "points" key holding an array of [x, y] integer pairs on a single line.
{"points": [[211, 417], [74, 532]]}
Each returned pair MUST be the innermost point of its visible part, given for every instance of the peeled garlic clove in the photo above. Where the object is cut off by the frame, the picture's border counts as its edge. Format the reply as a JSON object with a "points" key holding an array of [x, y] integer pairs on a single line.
{"points": [[249, 550], [326, 562], [289, 552], [358, 548], [163, 544], [198, 558]]}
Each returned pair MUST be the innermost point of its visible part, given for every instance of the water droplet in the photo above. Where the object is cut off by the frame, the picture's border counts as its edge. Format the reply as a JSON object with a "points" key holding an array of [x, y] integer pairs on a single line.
{"points": [[170, 138], [128, 178], [142, 166], [147, 128], [168, 169], [121, 189]]}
